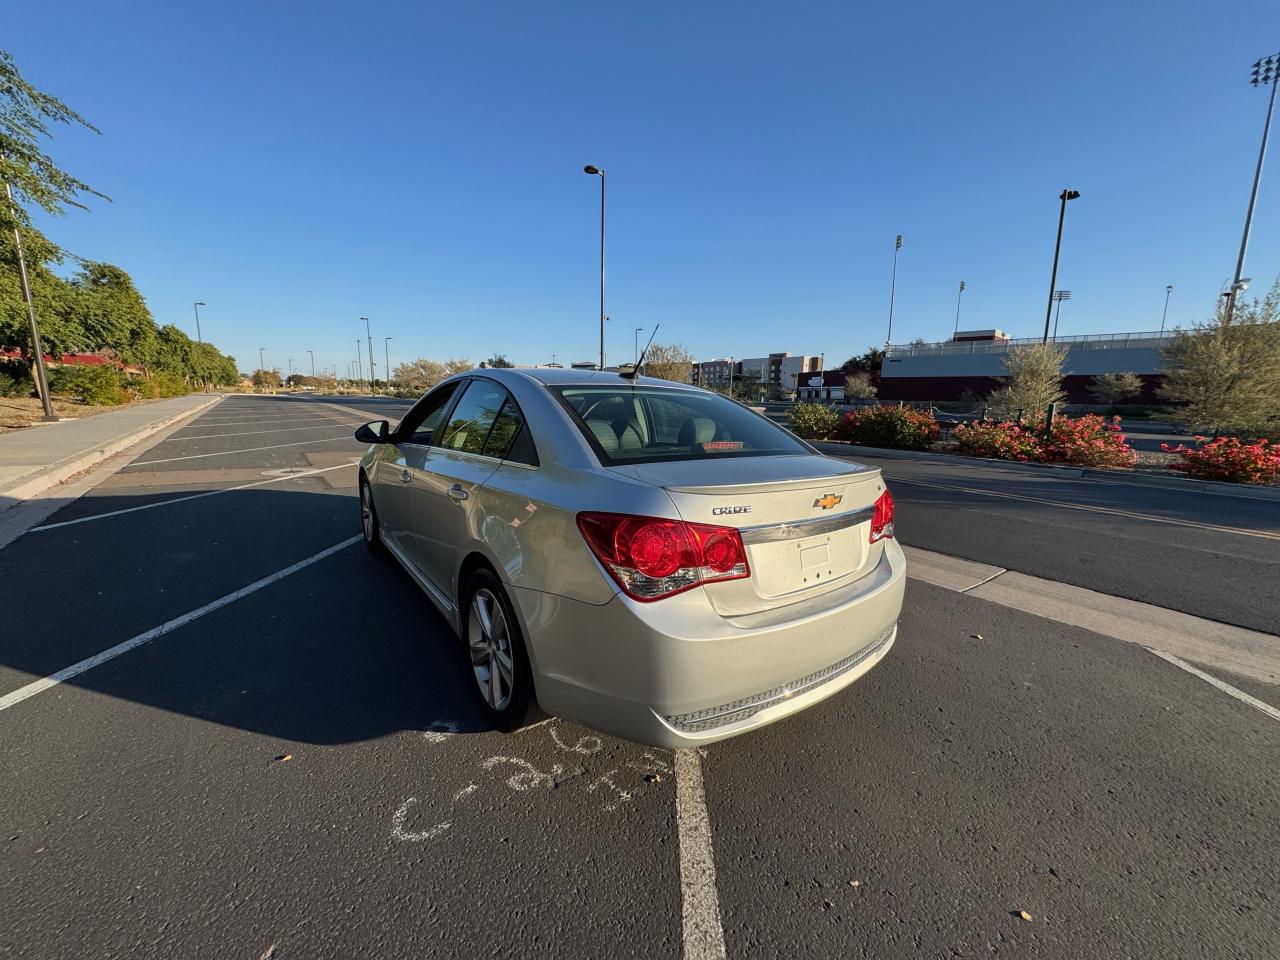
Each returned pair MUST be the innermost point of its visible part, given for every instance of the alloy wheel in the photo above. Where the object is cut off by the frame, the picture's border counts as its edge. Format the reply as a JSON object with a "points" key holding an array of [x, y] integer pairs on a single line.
{"points": [[366, 512], [489, 641]]}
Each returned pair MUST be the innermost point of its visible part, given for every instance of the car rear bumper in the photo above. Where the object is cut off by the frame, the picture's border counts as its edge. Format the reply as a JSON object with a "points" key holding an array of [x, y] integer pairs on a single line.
{"points": [[675, 673]]}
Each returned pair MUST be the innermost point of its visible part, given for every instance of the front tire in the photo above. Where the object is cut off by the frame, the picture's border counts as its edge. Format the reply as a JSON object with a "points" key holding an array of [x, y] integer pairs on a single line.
{"points": [[369, 525], [497, 656]]}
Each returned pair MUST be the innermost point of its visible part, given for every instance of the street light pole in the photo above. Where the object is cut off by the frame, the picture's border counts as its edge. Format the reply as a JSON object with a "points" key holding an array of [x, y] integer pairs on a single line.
{"points": [[637, 340], [1266, 70], [1165, 316], [958, 306], [1057, 249], [597, 172], [197, 305], [262, 364], [37, 348], [1059, 296], [372, 376], [893, 288], [313, 364], [359, 365], [386, 355]]}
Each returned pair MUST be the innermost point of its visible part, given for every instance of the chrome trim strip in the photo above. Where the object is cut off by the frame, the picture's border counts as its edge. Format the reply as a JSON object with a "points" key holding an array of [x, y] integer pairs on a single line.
{"points": [[418, 577], [703, 720], [794, 530]]}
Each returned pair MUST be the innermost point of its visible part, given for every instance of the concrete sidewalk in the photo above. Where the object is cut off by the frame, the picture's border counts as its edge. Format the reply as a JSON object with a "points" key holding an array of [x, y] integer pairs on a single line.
{"points": [[37, 458]]}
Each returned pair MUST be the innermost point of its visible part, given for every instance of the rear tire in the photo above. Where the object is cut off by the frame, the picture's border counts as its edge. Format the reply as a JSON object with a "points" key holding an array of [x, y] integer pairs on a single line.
{"points": [[497, 658], [369, 525]]}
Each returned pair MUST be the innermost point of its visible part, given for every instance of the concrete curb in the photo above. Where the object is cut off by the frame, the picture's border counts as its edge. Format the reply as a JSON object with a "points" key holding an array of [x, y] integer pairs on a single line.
{"points": [[1214, 487], [56, 473]]}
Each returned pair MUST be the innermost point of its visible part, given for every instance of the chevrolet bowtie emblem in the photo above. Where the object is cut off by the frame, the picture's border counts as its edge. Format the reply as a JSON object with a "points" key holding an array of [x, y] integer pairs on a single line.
{"points": [[828, 501]]}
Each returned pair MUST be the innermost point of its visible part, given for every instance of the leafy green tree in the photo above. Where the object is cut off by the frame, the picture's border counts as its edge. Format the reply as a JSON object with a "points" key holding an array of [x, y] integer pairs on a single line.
{"points": [[669, 361], [1034, 381], [1114, 387], [868, 362], [266, 379], [1227, 375], [500, 361]]}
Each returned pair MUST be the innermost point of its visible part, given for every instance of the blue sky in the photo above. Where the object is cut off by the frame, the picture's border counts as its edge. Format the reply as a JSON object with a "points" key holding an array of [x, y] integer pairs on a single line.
{"points": [[298, 166]]}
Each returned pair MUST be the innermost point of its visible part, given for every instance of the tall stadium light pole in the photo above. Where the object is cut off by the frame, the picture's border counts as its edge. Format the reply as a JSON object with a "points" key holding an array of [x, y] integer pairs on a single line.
{"points": [[597, 172], [637, 340], [369, 334], [386, 356], [37, 348], [313, 364], [958, 295], [359, 365], [197, 305], [1058, 296], [893, 288], [1057, 250], [262, 364], [1266, 70], [1168, 291]]}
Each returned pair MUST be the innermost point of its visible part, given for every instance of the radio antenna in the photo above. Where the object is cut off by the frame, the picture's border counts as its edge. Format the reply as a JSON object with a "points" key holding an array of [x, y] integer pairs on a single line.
{"points": [[631, 374]]}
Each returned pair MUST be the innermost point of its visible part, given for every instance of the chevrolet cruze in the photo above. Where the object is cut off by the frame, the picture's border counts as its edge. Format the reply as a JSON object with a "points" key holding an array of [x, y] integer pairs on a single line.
{"points": [[653, 560]]}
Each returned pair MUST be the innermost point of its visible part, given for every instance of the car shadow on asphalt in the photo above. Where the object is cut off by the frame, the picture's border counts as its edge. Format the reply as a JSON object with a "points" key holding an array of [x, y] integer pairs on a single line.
{"points": [[345, 649]]}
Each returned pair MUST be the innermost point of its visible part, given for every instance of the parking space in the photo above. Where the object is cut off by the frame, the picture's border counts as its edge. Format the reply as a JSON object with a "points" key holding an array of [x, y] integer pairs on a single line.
{"points": [[302, 771]]}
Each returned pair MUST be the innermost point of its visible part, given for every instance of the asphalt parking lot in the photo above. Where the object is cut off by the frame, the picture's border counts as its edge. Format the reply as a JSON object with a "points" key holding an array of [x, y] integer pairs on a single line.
{"points": [[298, 770]]}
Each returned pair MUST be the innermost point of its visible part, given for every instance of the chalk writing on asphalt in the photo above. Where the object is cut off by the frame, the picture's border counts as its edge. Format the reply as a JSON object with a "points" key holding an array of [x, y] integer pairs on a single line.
{"points": [[611, 788]]}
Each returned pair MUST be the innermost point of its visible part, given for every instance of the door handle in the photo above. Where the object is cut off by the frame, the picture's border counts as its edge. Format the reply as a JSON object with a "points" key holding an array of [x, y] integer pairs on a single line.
{"points": [[405, 476], [457, 492]]}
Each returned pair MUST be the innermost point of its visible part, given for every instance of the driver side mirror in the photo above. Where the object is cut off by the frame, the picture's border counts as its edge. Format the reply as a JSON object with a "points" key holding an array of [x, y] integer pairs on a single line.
{"points": [[378, 431]]}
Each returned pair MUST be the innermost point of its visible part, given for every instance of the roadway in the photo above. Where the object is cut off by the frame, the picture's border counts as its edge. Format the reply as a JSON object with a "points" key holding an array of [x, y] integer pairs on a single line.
{"points": [[299, 770]]}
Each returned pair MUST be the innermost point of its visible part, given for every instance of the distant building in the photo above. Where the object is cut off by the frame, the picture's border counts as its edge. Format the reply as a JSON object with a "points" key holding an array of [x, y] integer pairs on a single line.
{"points": [[824, 387], [973, 362], [779, 374]]}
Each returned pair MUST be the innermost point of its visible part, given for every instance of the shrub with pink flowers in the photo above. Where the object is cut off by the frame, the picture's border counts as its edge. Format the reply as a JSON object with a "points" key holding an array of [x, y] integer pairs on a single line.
{"points": [[898, 428], [1089, 441], [1228, 459]]}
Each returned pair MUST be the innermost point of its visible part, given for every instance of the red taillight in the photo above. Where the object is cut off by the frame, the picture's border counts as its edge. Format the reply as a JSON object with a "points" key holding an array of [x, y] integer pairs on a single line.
{"points": [[882, 519], [651, 558]]}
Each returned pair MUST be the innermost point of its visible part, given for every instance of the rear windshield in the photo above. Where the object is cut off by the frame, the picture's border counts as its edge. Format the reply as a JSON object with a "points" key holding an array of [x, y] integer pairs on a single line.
{"points": [[643, 424]]}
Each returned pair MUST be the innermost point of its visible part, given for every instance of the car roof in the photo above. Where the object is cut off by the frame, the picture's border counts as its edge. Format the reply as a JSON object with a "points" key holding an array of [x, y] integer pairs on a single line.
{"points": [[558, 376]]}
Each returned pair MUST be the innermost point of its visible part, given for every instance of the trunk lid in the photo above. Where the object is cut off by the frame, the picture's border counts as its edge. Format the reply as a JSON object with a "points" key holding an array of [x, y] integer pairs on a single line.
{"points": [[805, 521]]}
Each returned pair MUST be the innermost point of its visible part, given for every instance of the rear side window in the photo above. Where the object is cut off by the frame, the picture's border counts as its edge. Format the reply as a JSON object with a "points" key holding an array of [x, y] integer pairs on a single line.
{"points": [[643, 424], [509, 436], [486, 420], [473, 416]]}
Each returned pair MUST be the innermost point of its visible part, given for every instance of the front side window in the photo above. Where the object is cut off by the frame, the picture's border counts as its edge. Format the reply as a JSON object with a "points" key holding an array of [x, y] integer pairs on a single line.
{"points": [[643, 424], [473, 418], [420, 424]]}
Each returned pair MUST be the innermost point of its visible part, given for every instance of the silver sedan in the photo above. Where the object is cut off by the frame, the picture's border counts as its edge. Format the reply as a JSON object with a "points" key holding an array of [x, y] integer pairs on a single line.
{"points": [[651, 559]]}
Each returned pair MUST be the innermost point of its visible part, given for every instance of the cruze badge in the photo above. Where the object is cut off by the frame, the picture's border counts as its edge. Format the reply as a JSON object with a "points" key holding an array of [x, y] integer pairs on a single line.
{"points": [[828, 501], [725, 511]]}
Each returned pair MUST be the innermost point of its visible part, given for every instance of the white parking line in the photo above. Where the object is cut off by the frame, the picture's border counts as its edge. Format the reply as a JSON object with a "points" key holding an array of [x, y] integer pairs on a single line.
{"points": [[252, 423], [1111, 511], [1226, 688], [699, 900], [45, 683], [194, 496], [226, 453], [333, 425]]}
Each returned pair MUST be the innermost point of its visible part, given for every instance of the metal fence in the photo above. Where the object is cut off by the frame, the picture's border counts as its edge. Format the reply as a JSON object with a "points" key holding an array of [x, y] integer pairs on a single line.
{"points": [[1092, 341]]}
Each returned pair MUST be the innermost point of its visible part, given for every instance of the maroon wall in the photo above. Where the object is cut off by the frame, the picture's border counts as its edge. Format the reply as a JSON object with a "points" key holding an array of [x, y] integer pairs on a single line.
{"points": [[952, 388]]}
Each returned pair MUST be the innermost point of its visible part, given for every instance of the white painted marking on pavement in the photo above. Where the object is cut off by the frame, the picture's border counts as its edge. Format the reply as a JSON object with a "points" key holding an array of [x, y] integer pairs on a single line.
{"points": [[257, 433], [45, 683], [700, 902], [1226, 688], [1088, 508], [194, 496], [226, 453]]}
